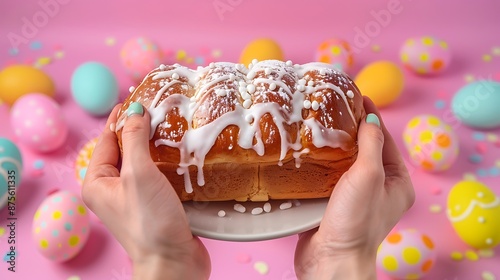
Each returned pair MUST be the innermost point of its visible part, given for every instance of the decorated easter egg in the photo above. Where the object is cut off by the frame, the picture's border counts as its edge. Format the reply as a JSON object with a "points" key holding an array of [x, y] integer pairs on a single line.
{"points": [[61, 226], [261, 49], [18, 80], [382, 81], [94, 88], [139, 56], [11, 165], [39, 123], [474, 210], [476, 104], [336, 52], [83, 160], [406, 254], [425, 55], [431, 143]]}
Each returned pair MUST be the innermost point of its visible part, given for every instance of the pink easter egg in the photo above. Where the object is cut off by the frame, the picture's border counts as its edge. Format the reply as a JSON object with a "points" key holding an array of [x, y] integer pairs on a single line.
{"points": [[431, 143], [336, 52], [38, 122], [61, 226], [406, 254], [425, 55], [139, 56]]}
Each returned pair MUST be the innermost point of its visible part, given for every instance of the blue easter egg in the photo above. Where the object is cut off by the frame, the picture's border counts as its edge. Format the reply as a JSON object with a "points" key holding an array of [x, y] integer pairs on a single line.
{"points": [[94, 88], [11, 165], [477, 104]]}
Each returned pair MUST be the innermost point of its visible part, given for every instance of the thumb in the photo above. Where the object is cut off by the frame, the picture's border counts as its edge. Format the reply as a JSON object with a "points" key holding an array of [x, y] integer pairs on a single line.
{"points": [[370, 142], [135, 136]]}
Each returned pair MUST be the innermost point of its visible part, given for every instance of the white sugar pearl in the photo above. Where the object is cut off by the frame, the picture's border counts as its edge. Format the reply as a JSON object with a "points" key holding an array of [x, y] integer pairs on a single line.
{"points": [[307, 104], [162, 67], [272, 86], [221, 213], [289, 63], [175, 76], [232, 77], [285, 205], [310, 83], [301, 87], [315, 105], [302, 82], [239, 208], [251, 88], [221, 92], [267, 71], [322, 72], [350, 94], [131, 89], [247, 103], [267, 207], [257, 211], [249, 118], [254, 61]]}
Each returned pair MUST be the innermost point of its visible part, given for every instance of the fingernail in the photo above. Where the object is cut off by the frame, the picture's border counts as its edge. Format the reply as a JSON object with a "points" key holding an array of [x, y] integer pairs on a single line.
{"points": [[372, 118], [135, 108], [112, 126]]}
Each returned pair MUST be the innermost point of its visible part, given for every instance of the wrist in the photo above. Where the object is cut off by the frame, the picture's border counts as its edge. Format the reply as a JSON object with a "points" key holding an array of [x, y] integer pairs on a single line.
{"points": [[352, 266]]}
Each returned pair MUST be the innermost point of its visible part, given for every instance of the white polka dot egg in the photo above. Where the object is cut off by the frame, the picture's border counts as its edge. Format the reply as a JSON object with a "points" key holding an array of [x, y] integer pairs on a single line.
{"points": [[431, 143], [39, 123], [425, 55], [61, 226], [406, 254]]}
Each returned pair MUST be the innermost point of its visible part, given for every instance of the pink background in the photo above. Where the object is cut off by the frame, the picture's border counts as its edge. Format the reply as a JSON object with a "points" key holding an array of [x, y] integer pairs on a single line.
{"points": [[80, 30]]}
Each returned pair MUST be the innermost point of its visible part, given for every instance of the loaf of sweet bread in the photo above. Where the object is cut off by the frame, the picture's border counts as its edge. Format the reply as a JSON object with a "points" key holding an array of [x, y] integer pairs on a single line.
{"points": [[272, 130]]}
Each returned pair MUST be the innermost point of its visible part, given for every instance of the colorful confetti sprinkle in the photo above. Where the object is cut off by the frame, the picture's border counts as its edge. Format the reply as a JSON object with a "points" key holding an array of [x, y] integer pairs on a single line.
{"points": [[435, 208], [36, 45], [2, 231], [59, 54], [469, 78], [73, 278], [486, 58], [216, 53], [376, 48], [38, 164], [471, 255], [469, 177], [243, 258], [180, 55], [491, 137], [475, 158], [481, 172], [261, 267], [486, 253], [436, 190], [456, 256], [486, 275], [110, 41], [42, 61], [495, 51], [494, 171], [478, 136], [13, 51], [440, 104], [6, 257]]}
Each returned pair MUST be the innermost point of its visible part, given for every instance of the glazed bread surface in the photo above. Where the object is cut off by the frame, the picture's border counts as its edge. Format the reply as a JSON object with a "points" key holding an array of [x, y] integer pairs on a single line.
{"points": [[273, 130]]}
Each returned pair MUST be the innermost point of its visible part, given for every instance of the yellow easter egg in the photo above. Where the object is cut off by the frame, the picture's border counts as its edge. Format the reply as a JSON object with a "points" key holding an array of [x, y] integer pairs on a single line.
{"points": [[382, 81], [261, 49], [18, 80], [474, 212]]}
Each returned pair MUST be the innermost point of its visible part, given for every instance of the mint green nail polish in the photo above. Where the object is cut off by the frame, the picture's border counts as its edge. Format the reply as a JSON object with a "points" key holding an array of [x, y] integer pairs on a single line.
{"points": [[135, 108], [372, 118]]}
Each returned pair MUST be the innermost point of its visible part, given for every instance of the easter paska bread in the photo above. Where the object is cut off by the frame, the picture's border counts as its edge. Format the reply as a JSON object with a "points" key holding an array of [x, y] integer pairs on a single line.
{"points": [[272, 130]]}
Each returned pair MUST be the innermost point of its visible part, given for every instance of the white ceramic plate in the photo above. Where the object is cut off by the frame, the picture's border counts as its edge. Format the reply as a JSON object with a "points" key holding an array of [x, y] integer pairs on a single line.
{"points": [[302, 216]]}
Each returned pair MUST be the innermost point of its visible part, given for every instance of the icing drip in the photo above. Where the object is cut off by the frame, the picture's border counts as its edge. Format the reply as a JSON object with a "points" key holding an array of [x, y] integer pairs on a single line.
{"points": [[246, 99], [473, 204]]}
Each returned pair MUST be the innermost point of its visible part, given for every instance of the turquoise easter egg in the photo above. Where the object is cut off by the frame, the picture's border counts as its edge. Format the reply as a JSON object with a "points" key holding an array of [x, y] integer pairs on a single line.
{"points": [[477, 104], [94, 88], [11, 165]]}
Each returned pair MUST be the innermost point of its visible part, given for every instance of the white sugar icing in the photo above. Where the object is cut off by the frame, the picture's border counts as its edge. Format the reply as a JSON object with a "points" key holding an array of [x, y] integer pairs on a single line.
{"points": [[236, 82]]}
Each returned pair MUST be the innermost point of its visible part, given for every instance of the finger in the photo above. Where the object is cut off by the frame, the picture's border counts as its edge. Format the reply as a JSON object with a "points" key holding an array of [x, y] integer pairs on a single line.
{"points": [[370, 141], [390, 154], [106, 152], [135, 136]]}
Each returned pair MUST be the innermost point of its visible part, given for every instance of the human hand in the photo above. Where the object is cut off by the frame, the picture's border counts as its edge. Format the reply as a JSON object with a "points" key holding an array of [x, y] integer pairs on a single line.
{"points": [[139, 206], [365, 205]]}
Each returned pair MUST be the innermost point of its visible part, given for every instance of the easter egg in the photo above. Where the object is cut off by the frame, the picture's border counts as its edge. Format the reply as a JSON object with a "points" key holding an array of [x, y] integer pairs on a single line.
{"points": [[18, 80], [139, 56], [261, 49], [406, 254], [61, 226], [39, 123], [382, 81], [425, 55], [474, 210], [83, 160], [11, 165], [94, 88], [476, 104], [431, 143], [336, 52]]}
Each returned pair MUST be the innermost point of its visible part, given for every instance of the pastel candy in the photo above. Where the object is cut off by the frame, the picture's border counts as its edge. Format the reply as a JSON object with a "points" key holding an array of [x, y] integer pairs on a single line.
{"points": [[432, 144]]}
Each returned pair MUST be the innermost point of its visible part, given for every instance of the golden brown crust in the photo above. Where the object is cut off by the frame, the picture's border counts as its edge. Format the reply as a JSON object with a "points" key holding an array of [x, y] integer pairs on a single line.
{"points": [[308, 115]]}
